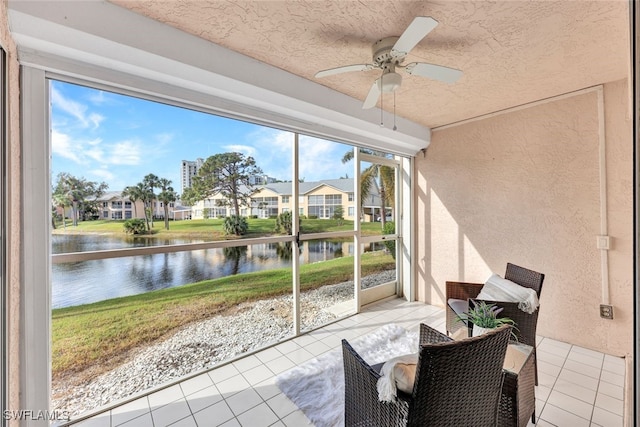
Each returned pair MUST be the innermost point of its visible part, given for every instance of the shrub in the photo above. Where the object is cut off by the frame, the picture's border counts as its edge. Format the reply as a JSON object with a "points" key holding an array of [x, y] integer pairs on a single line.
{"points": [[284, 223], [234, 224], [134, 226], [313, 216], [390, 228]]}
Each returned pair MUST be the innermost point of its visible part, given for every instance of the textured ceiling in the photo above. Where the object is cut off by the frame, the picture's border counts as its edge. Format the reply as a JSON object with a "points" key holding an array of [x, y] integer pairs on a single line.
{"points": [[511, 52]]}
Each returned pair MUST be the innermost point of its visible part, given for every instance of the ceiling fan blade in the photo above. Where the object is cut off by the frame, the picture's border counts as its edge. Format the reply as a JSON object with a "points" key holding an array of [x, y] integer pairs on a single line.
{"points": [[416, 31], [345, 69], [437, 72], [372, 97]]}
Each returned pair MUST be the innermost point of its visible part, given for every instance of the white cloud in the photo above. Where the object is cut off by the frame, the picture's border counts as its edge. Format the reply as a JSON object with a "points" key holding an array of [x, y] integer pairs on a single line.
{"points": [[125, 153], [76, 110], [247, 150], [61, 145], [103, 174]]}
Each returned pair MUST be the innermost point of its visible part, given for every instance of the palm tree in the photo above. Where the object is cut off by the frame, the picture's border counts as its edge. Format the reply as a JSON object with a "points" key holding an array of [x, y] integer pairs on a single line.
{"points": [[381, 176], [150, 181], [167, 195], [134, 194]]}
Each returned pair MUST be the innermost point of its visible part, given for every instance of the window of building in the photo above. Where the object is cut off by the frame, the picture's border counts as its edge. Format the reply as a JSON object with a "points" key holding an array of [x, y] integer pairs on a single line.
{"points": [[285, 199]]}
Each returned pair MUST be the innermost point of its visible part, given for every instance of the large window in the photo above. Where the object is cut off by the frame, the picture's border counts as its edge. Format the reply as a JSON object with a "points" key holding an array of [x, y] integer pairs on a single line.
{"points": [[221, 251]]}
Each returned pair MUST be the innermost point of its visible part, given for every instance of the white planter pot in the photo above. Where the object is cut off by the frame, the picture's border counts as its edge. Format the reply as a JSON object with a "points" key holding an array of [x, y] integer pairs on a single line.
{"points": [[478, 330]]}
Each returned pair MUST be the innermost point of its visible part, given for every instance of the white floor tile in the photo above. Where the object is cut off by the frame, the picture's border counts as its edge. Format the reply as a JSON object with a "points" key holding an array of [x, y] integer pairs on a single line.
{"points": [[281, 405], [142, 421], [185, 422], [280, 364], [612, 378], [243, 401], [579, 379], [222, 373], [611, 390], [257, 375], [170, 413], [582, 393], [610, 404], [214, 415], [233, 385], [590, 371], [606, 419], [268, 354], [267, 389], [165, 396], [259, 416], [194, 384], [299, 356], [570, 404], [246, 363], [203, 398], [129, 411], [100, 420], [559, 417]]}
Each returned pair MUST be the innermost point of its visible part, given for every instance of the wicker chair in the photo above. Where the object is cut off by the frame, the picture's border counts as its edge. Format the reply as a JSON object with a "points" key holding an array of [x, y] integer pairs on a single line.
{"points": [[525, 323], [458, 383]]}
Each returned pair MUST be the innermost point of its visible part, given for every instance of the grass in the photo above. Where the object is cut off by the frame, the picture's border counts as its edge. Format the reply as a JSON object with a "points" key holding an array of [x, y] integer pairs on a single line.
{"points": [[99, 335], [211, 229]]}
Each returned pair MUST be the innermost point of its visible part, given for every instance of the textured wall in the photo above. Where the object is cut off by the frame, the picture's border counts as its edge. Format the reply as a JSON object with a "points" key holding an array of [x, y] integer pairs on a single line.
{"points": [[523, 187], [13, 211]]}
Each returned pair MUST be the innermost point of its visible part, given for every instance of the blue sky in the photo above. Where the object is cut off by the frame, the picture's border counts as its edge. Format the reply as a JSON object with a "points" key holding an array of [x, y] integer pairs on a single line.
{"points": [[103, 136]]}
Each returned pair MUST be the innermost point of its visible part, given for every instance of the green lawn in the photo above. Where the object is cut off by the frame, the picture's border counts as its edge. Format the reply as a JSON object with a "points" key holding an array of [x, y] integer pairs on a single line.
{"points": [[211, 229], [100, 334]]}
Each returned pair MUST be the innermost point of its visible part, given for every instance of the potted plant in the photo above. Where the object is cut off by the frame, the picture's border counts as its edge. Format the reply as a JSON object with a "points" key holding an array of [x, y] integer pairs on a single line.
{"points": [[484, 317]]}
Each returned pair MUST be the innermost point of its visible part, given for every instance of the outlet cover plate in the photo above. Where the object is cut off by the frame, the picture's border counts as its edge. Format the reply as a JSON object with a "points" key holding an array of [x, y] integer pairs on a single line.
{"points": [[606, 311]]}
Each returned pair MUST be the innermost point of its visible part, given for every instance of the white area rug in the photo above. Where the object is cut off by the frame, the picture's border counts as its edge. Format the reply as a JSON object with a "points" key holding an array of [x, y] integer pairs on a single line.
{"points": [[317, 386]]}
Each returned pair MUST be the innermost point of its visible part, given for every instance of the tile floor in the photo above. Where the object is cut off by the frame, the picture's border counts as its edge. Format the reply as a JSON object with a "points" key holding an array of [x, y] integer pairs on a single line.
{"points": [[578, 387]]}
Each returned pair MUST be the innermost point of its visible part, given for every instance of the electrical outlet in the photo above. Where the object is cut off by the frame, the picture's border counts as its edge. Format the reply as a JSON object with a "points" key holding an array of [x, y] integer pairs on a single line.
{"points": [[606, 311]]}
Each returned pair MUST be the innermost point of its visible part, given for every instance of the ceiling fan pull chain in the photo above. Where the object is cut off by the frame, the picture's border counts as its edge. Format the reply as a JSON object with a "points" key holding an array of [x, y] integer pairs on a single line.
{"points": [[394, 111]]}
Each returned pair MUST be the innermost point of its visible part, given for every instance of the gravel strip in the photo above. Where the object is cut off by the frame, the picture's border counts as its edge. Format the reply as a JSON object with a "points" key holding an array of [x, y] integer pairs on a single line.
{"points": [[206, 343]]}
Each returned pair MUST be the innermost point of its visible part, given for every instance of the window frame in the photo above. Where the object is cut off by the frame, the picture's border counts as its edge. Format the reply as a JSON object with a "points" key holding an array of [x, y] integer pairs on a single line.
{"points": [[37, 193]]}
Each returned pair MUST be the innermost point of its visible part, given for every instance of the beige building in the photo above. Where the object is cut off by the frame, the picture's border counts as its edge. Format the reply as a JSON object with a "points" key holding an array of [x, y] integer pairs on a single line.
{"points": [[317, 199]]}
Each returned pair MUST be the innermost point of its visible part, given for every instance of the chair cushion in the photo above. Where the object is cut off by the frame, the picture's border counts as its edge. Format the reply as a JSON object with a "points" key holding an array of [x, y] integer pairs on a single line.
{"points": [[459, 306], [405, 376], [404, 373]]}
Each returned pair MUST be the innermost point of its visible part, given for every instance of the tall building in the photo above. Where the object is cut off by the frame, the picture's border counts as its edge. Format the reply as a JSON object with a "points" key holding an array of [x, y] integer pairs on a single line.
{"points": [[189, 170]]}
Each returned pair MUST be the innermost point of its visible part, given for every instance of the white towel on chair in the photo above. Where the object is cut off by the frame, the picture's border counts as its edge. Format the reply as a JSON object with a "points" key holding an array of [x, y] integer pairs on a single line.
{"points": [[392, 372], [498, 289]]}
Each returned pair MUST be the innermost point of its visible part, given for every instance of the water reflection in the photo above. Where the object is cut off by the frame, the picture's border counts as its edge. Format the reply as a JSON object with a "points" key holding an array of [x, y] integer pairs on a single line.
{"points": [[92, 281]]}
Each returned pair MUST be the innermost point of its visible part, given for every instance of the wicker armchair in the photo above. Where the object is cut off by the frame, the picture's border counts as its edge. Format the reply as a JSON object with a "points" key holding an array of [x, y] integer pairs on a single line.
{"points": [[458, 383], [525, 323]]}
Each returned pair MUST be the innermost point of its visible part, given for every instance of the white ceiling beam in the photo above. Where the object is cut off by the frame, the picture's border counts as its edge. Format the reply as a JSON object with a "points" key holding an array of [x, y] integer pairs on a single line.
{"points": [[106, 40]]}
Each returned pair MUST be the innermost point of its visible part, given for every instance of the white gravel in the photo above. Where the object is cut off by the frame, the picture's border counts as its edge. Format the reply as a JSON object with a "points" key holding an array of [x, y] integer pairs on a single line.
{"points": [[204, 344]]}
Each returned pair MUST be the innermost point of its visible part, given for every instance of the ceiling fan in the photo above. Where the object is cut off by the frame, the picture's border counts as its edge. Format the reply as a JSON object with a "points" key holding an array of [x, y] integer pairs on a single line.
{"points": [[389, 53]]}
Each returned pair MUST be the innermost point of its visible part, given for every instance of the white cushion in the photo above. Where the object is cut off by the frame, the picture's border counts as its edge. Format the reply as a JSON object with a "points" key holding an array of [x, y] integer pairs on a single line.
{"points": [[405, 376]]}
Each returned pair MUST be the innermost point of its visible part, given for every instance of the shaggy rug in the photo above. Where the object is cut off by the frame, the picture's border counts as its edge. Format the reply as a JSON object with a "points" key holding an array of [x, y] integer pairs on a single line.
{"points": [[317, 386]]}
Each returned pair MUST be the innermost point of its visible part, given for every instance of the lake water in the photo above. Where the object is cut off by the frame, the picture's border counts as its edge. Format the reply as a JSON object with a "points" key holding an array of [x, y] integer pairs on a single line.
{"points": [[92, 281]]}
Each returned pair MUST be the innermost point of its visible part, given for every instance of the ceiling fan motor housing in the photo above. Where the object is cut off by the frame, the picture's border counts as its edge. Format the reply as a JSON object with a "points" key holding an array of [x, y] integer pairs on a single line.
{"points": [[381, 51]]}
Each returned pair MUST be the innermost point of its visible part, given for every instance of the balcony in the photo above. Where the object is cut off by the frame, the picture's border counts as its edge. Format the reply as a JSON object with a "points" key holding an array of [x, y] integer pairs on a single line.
{"points": [[577, 386]]}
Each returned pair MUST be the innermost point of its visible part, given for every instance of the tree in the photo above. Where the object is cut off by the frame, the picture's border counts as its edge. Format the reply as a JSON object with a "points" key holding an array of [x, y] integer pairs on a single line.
{"points": [[167, 195], [338, 213], [227, 174], [151, 181], [134, 193], [77, 193], [380, 175]]}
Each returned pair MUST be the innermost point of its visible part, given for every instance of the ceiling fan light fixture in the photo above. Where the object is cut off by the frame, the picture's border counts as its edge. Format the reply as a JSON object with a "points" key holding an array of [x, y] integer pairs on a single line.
{"points": [[389, 82]]}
